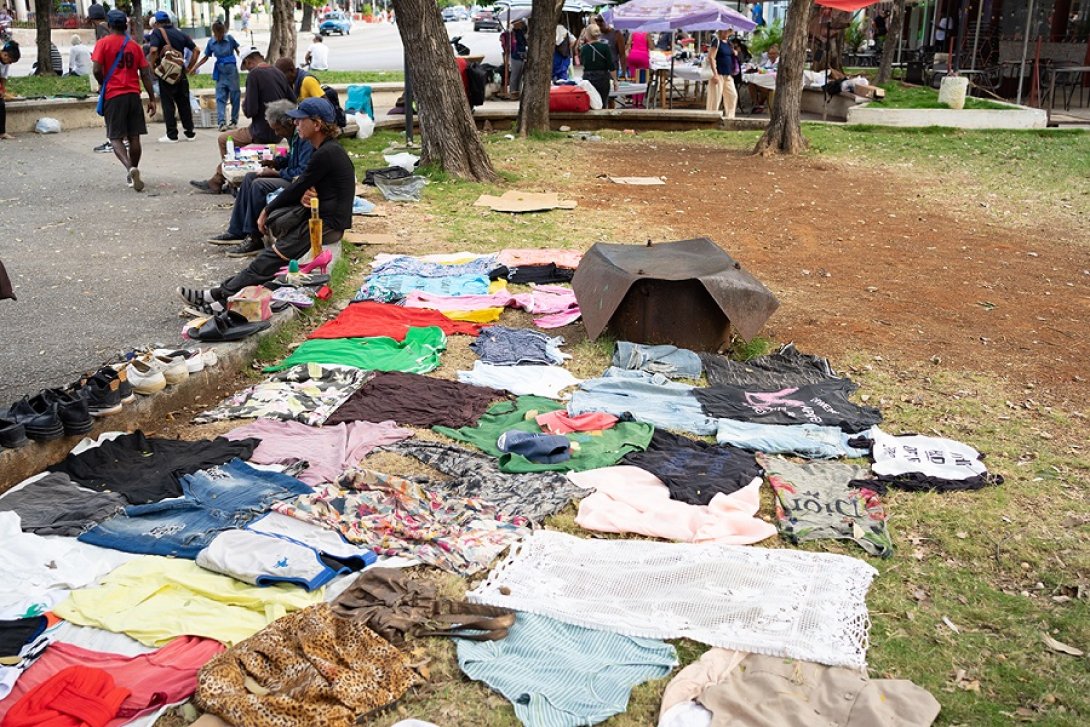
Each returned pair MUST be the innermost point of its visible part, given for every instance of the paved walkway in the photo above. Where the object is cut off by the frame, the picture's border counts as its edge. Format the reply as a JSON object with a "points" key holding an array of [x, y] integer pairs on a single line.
{"points": [[94, 263]]}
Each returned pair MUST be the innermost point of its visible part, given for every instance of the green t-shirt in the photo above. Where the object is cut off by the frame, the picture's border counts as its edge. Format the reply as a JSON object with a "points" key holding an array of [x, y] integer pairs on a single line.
{"points": [[595, 449], [417, 354], [597, 56]]}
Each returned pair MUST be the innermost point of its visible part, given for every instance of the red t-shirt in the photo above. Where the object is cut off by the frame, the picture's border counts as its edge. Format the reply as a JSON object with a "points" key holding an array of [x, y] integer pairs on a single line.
{"points": [[126, 78]]}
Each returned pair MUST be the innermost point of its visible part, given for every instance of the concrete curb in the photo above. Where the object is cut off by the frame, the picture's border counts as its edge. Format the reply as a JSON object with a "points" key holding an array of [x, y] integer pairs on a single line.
{"points": [[147, 411]]}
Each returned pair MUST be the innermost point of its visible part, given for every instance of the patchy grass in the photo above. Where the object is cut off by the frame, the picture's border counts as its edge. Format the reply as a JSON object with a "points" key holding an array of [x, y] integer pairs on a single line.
{"points": [[908, 96], [204, 80], [31, 86]]}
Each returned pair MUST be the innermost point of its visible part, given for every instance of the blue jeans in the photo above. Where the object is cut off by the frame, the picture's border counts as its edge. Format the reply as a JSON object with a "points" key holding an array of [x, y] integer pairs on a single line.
{"points": [[220, 498], [677, 363], [249, 202], [650, 398], [805, 440], [227, 88]]}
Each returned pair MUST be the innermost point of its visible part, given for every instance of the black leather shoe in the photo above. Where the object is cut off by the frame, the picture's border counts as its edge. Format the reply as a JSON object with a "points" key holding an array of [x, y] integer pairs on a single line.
{"points": [[12, 435], [72, 409], [102, 392], [39, 418]]}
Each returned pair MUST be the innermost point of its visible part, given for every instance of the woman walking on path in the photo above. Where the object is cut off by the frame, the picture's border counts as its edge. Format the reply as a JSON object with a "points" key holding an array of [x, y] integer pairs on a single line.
{"points": [[224, 48]]}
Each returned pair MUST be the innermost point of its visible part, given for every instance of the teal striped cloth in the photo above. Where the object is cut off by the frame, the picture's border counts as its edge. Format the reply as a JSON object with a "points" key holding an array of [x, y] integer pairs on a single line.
{"points": [[560, 675]]}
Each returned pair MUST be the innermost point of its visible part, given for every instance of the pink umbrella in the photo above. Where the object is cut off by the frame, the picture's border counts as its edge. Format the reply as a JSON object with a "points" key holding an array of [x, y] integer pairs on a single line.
{"points": [[662, 15]]}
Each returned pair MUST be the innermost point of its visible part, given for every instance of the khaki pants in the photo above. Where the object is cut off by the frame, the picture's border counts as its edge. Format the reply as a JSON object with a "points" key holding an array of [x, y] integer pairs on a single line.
{"points": [[723, 92]]}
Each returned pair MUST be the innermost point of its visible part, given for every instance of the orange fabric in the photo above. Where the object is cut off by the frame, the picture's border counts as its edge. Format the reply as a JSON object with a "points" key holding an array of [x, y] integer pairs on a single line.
{"points": [[368, 319], [78, 696]]}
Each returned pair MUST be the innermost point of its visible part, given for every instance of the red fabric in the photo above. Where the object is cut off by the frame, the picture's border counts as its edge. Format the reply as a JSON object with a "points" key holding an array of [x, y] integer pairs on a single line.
{"points": [[850, 5], [569, 98], [78, 696], [560, 422], [368, 318], [126, 79], [463, 71], [160, 677]]}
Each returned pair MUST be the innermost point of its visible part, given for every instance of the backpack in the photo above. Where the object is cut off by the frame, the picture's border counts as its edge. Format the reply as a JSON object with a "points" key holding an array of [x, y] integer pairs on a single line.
{"points": [[171, 65], [478, 79], [332, 97], [564, 47]]}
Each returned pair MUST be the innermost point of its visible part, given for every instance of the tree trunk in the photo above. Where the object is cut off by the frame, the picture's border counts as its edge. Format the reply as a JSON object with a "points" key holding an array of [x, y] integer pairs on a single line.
{"points": [[42, 10], [784, 132], [138, 19], [308, 18], [449, 135], [895, 24], [282, 34], [537, 76]]}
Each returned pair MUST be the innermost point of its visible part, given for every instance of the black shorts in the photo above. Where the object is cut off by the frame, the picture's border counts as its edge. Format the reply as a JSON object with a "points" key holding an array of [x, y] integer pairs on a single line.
{"points": [[124, 116]]}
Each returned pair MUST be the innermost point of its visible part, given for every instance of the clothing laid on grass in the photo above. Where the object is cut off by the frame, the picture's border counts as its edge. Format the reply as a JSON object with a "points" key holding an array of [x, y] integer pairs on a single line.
{"points": [[155, 599], [590, 450], [650, 398], [917, 463], [532, 495], [779, 602], [767, 690], [804, 440], [309, 669], [418, 354], [216, 499], [696, 471], [825, 404], [534, 274], [560, 422], [552, 305], [147, 469], [671, 361], [632, 500], [449, 304], [328, 450], [22, 643], [394, 516], [419, 401], [547, 381], [368, 319], [559, 675], [680, 705], [503, 346], [408, 265], [265, 560], [38, 571], [514, 257], [17, 633], [392, 288], [815, 501], [161, 677], [783, 369], [306, 393], [54, 505], [388, 602], [79, 696]]}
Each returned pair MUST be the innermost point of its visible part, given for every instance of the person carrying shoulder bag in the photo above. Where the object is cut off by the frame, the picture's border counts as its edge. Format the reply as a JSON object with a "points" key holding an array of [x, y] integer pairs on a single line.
{"points": [[168, 46]]}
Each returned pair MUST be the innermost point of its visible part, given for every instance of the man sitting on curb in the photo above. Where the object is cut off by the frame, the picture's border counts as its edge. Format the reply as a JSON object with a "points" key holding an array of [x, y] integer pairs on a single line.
{"points": [[264, 85], [256, 186], [329, 176]]}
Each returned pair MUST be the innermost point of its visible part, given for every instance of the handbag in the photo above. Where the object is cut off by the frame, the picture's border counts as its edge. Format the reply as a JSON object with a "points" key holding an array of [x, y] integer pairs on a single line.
{"points": [[100, 109], [171, 65]]}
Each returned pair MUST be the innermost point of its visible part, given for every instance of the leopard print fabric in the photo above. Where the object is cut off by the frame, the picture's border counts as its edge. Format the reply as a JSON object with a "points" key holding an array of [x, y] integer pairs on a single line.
{"points": [[311, 668]]}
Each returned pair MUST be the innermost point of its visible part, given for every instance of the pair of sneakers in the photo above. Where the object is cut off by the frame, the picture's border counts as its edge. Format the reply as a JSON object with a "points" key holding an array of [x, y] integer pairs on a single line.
{"points": [[160, 367]]}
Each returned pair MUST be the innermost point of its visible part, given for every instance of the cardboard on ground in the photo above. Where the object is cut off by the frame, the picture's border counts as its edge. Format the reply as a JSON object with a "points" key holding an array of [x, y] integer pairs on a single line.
{"points": [[513, 201]]}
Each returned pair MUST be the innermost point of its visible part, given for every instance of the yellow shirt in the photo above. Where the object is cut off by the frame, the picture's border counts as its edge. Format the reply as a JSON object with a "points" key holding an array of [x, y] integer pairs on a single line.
{"points": [[310, 89], [155, 599]]}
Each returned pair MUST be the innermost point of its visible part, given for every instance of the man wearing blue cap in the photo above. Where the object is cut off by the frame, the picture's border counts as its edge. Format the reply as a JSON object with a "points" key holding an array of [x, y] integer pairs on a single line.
{"points": [[329, 176], [173, 89], [119, 65]]}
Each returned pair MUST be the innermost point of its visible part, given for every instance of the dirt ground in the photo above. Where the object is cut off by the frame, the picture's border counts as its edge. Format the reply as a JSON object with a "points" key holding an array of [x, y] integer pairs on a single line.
{"points": [[862, 263]]}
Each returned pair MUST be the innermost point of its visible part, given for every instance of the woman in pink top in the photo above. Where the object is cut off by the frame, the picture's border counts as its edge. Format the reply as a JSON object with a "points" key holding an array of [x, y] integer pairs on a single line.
{"points": [[639, 55]]}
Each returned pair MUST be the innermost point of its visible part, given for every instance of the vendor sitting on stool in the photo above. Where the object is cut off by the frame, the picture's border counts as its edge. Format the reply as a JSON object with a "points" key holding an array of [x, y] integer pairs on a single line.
{"points": [[256, 186], [329, 176]]}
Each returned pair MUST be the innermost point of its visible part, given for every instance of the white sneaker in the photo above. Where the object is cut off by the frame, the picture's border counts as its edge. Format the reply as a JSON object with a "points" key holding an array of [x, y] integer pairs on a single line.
{"points": [[167, 140], [193, 360], [183, 137], [208, 355], [173, 367], [145, 378]]}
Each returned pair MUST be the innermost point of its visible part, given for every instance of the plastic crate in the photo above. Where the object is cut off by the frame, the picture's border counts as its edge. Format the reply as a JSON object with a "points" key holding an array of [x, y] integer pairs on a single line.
{"points": [[204, 119]]}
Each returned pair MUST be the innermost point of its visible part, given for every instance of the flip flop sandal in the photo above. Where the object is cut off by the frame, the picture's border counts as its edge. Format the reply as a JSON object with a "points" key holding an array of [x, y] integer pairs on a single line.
{"points": [[226, 326]]}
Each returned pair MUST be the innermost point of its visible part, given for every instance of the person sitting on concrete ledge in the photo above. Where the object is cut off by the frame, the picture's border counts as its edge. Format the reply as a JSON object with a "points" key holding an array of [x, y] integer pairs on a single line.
{"points": [[256, 186], [264, 84], [329, 176], [302, 83]]}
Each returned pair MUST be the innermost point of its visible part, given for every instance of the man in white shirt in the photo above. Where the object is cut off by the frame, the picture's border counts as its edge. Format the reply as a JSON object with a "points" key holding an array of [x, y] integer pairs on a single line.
{"points": [[318, 55], [79, 58]]}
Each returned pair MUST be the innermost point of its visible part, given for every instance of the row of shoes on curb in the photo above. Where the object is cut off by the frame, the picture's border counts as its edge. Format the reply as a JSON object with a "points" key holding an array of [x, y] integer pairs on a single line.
{"points": [[55, 413]]}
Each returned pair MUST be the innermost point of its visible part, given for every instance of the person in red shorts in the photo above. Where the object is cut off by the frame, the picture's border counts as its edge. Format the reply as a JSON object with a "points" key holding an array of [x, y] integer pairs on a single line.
{"points": [[120, 66]]}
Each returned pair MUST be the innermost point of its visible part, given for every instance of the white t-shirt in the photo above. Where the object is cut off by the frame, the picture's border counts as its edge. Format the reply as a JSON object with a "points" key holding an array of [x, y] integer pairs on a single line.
{"points": [[929, 456], [79, 60], [319, 56]]}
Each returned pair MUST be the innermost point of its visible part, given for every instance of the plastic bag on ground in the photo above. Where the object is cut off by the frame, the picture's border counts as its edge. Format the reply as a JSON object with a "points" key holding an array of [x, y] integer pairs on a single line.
{"points": [[366, 126], [405, 189], [405, 160], [47, 125]]}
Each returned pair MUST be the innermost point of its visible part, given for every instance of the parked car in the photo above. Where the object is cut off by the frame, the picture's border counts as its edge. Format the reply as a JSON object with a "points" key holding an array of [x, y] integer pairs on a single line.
{"points": [[449, 16], [487, 21], [336, 22]]}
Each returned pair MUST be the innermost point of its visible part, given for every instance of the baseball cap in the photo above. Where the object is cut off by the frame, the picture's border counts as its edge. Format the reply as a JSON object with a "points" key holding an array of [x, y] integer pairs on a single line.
{"points": [[250, 51], [162, 17], [117, 19], [314, 108]]}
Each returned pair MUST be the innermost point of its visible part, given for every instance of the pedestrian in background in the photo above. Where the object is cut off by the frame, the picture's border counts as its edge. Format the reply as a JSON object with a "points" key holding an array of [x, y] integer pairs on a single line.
{"points": [[721, 57], [79, 58], [175, 95], [8, 54], [223, 47], [317, 58]]}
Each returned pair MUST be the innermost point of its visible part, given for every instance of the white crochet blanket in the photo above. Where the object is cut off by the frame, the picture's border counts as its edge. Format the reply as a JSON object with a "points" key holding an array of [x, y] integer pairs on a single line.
{"points": [[790, 603]]}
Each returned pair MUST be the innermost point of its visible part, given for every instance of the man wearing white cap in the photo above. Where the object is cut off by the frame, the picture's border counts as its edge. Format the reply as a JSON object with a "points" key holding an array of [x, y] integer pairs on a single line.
{"points": [[264, 84]]}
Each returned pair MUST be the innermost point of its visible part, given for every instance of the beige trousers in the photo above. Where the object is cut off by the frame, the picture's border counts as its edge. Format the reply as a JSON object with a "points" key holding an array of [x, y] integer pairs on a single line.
{"points": [[725, 93]]}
